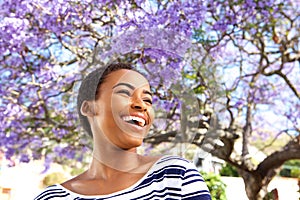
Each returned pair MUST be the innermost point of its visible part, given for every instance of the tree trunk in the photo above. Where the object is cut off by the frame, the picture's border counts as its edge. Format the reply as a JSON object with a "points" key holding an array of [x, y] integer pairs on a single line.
{"points": [[256, 183], [253, 184]]}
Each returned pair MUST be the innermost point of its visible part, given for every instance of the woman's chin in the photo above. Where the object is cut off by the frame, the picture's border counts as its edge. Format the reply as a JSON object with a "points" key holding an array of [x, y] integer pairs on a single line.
{"points": [[132, 143]]}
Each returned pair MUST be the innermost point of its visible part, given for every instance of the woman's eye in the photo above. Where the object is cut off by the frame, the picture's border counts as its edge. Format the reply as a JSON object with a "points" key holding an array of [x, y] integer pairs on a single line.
{"points": [[124, 92], [148, 101]]}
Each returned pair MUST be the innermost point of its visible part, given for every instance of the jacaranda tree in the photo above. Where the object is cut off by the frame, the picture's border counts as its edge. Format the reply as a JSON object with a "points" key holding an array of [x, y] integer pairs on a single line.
{"points": [[220, 70]]}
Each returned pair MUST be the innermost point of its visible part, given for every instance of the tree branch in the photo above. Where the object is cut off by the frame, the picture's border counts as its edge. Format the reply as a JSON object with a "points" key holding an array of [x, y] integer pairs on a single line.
{"points": [[276, 159]]}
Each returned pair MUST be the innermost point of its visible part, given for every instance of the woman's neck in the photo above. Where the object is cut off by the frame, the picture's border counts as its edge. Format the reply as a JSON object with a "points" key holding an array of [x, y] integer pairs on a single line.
{"points": [[107, 161], [110, 157], [100, 169]]}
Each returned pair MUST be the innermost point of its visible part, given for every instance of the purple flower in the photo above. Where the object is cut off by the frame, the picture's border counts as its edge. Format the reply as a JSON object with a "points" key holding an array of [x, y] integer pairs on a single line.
{"points": [[24, 158]]}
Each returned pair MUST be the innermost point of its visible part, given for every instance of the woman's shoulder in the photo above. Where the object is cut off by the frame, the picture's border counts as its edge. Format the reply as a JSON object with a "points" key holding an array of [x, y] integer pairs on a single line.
{"points": [[175, 169], [172, 164], [173, 160]]}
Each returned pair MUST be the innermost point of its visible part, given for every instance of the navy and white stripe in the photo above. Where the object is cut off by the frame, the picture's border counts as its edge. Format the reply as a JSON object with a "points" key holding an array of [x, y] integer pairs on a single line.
{"points": [[171, 177]]}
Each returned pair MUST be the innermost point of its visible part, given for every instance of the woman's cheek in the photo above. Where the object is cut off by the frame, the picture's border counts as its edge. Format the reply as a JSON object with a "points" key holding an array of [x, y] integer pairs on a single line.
{"points": [[119, 101]]}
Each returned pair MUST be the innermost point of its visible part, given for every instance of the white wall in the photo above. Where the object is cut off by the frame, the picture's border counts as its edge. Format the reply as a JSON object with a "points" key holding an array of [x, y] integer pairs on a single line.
{"points": [[287, 188], [25, 179]]}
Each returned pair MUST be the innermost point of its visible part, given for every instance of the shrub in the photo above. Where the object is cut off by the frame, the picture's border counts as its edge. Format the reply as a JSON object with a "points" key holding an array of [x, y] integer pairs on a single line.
{"points": [[215, 186], [229, 170], [290, 169], [53, 178], [295, 172]]}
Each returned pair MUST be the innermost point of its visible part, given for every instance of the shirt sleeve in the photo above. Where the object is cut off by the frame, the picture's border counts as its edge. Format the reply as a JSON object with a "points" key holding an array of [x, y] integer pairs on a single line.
{"points": [[193, 185]]}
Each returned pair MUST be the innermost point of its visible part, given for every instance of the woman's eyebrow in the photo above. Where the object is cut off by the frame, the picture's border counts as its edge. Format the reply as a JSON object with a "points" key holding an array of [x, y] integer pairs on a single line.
{"points": [[148, 92], [125, 84], [132, 87]]}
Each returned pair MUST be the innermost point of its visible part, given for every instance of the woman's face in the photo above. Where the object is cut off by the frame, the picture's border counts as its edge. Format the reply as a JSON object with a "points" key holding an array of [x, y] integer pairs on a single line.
{"points": [[123, 110]]}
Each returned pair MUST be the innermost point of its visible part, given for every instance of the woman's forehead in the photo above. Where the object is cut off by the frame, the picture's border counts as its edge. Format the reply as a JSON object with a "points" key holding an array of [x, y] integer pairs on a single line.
{"points": [[127, 76]]}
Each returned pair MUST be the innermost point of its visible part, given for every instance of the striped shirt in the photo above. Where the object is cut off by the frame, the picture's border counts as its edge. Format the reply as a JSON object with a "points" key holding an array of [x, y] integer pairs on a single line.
{"points": [[171, 177]]}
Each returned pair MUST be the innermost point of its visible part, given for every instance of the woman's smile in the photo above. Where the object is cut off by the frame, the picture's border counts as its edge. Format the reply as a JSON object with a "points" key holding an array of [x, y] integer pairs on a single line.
{"points": [[134, 120]]}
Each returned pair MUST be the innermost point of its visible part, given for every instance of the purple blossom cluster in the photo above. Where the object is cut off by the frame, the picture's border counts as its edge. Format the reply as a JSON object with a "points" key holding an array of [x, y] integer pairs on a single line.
{"points": [[44, 43], [178, 16], [241, 13], [35, 107]]}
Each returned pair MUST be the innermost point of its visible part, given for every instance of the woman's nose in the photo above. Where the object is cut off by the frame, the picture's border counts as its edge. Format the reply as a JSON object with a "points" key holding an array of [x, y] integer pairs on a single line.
{"points": [[138, 104]]}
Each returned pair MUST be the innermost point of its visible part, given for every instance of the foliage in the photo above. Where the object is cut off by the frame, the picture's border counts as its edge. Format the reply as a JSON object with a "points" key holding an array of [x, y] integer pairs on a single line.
{"points": [[295, 173], [285, 172], [53, 178], [272, 195], [295, 163], [291, 169], [215, 185], [229, 170]]}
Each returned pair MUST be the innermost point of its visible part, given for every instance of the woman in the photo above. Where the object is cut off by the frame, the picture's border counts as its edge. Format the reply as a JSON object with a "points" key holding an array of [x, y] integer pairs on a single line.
{"points": [[115, 108]]}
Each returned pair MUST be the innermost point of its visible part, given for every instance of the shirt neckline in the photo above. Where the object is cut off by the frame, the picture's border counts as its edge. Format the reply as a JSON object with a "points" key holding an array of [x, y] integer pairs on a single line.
{"points": [[152, 168]]}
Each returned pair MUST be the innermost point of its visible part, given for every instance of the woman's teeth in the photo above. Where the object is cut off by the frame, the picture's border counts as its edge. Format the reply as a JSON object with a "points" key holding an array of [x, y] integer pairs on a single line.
{"points": [[134, 120]]}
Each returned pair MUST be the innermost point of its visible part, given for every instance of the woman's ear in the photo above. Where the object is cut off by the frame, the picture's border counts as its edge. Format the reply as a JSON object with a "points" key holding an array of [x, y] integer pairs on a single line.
{"points": [[87, 109]]}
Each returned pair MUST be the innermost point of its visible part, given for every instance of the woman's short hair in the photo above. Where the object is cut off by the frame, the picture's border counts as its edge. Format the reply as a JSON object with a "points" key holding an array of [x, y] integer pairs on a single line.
{"points": [[89, 88]]}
